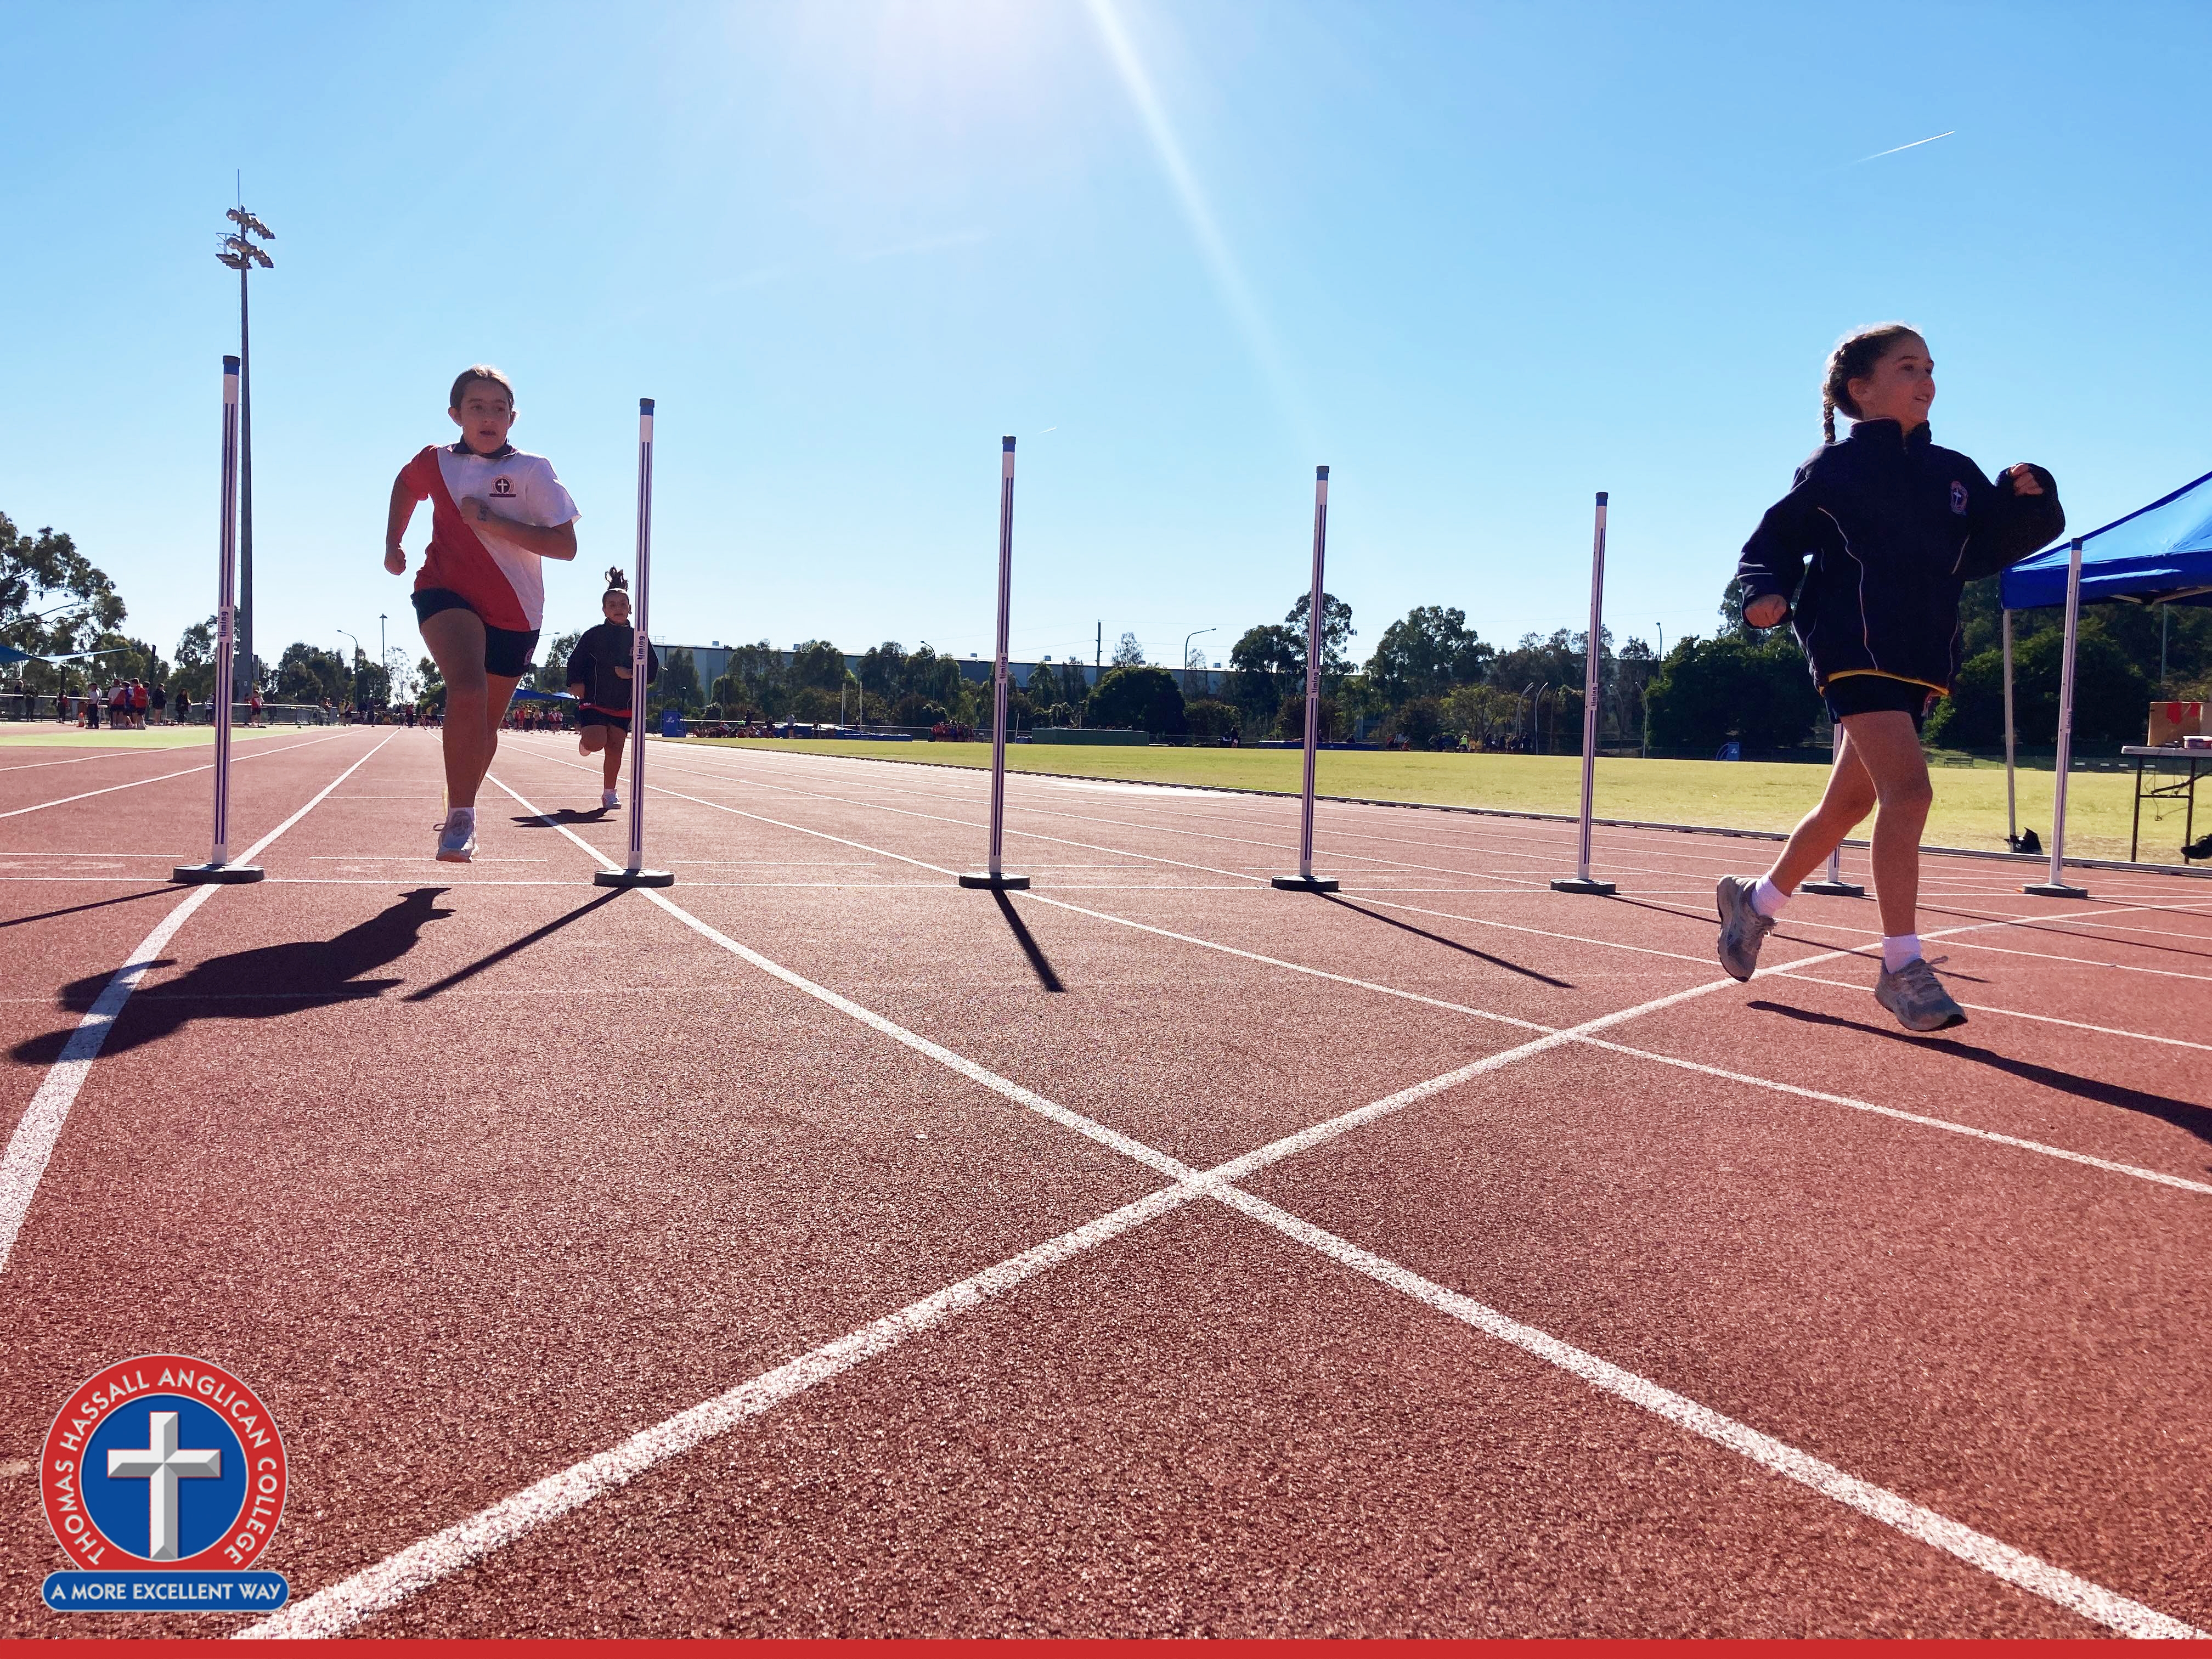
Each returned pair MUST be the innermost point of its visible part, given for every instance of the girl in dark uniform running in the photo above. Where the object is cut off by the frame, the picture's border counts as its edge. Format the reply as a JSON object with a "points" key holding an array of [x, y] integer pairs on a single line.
{"points": [[600, 679], [1894, 528]]}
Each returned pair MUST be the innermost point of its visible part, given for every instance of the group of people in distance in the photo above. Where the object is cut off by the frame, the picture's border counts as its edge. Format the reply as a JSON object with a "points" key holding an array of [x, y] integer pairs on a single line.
{"points": [[128, 704], [1867, 556]]}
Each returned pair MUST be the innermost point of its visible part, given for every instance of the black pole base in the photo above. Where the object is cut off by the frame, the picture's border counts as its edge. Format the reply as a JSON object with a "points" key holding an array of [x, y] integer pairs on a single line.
{"points": [[1001, 883], [1306, 883], [1832, 889], [634, 879], [222, 875], [1582, 884], [2054, 889]]}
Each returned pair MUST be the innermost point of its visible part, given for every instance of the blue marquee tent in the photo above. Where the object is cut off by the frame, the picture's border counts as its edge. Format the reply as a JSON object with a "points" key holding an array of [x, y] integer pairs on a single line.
{"points": [[2158, 552]]}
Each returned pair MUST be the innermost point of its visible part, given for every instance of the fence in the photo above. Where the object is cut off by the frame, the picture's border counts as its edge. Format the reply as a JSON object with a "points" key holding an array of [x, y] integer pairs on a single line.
{"points": [[24, 706]]}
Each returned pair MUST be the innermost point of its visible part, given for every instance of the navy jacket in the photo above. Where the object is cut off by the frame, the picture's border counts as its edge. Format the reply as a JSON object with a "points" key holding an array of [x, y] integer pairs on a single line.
{"points": [[592, 665], [1895, 527]]}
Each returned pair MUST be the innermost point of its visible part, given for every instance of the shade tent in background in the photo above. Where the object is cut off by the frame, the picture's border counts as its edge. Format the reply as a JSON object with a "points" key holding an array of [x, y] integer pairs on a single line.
{"points": [[2158, 554]]}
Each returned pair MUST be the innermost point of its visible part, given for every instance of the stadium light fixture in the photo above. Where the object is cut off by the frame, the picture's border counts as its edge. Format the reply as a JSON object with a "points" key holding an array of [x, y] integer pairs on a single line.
{"points": [[238, 252]]}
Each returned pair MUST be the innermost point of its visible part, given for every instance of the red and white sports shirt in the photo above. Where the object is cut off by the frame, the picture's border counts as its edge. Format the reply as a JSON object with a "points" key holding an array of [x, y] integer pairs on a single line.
{"points": [[501, 582]]}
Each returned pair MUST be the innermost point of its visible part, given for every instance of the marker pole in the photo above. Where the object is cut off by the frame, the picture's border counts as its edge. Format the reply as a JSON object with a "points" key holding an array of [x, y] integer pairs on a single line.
{"points": [[1832, 885], [1305, 881], [2057, 887], [1582, 881], [219, 868], [641, 661], [996, 877]]}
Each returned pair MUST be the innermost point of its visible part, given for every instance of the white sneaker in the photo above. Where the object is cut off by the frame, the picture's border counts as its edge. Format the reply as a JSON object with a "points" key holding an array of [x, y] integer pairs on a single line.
{"points": [[457, 841], [609, 800]]}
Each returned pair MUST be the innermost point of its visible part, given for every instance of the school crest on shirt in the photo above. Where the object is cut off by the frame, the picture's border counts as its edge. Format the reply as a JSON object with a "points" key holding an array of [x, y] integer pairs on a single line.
{"points": [[503, 485], [1958, 497]]}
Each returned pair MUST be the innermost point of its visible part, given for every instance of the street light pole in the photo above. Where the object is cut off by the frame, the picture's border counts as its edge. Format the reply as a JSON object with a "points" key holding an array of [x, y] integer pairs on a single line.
{"points": [[1195, 634], [237, 251]]}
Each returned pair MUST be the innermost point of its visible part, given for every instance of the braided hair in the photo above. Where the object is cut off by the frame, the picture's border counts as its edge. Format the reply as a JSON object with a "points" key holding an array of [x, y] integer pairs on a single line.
{"points": [[1854, 359], [617, 583]]}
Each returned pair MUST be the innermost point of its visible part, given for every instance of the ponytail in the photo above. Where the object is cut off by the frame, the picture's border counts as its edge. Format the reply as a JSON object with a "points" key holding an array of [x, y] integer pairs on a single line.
{"points": [[617, 583]]}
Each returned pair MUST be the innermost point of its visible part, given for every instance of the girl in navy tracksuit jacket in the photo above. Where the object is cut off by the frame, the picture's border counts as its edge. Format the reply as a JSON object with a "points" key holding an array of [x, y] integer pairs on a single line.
{"points": [[1893, 527], [600, 679]]}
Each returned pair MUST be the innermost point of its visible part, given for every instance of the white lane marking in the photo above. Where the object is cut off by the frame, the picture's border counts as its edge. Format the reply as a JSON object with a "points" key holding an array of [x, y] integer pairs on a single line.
{"points": [[395, 1579], [1903, 1116], [1578, 1033], [33, 1142], [164, 777], [1999, 1559], [2017, 1013], [1027, 1100], [333, 1611]]}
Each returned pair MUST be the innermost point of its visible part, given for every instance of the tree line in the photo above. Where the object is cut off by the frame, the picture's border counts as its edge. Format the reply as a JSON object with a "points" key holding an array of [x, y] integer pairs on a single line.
{"points": [[1431, 680]]}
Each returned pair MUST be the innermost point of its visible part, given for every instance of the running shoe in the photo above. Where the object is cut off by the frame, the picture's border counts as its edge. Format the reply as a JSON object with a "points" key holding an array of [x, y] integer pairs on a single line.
{"points": [[609, 800], [1917, 998], [457, 841], [1743, 930]]}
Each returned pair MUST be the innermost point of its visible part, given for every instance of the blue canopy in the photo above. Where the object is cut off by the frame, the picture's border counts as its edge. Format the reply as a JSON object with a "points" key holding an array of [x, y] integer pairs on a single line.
{"points": [[2162, 551], [531, 693]]}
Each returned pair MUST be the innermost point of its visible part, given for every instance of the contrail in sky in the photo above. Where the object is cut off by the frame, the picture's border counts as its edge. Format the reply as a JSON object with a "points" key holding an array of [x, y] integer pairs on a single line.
{"points": [[1212, 246], [1915, 144]]}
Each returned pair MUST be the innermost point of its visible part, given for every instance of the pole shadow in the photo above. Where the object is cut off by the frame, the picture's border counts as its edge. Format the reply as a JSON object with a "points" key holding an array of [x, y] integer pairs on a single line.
{"points": [[95, 904], [1039, 962], [461, 975], [1449, 944], [258, 984], [2188, 1116]]}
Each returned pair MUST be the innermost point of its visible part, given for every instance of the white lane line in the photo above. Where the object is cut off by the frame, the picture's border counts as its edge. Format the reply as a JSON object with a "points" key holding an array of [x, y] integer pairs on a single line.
{"points": [[395, 1579], [40, 1126], [2140, 1174], [968, 1068], [1579, 1033], [1976, 1549], [111, 788], [334, 1610]]}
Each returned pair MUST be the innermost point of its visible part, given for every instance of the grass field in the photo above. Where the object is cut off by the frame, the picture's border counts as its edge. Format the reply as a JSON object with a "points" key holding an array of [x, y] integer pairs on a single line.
{"points": [[45, 734], [1970, 801]]}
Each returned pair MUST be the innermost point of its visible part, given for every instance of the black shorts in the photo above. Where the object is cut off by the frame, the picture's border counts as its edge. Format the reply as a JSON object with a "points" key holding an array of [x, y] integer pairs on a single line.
{"points": [[587, 716], [1869, 694], [507, 651]]}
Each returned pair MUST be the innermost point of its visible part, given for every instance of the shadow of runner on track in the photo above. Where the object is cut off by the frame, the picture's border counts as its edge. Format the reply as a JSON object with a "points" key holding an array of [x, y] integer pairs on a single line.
{"points": [[516, 947], [1450, 944], [2185, 1115], [566, 815], [2085, 938], [256, 984], [95, 904], [1047, 975]]}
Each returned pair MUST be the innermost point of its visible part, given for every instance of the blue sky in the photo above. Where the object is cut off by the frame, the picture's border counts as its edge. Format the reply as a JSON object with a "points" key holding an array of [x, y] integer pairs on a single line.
{"points": [[1481, 259]]}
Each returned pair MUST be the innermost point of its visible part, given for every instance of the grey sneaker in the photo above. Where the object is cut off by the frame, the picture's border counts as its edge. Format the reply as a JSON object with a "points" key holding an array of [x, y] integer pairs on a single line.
{"points": [[457, 841], [1917, 998], [1743, 930]]}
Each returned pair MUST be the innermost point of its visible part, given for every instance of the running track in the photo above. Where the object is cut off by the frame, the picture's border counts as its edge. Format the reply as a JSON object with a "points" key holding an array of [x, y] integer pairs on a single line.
{"points": [[821, 1249]]}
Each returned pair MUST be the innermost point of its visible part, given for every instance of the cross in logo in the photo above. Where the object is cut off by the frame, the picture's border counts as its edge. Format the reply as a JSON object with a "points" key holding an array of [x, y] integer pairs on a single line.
{"points": [[502, 486], [161, 1465]]}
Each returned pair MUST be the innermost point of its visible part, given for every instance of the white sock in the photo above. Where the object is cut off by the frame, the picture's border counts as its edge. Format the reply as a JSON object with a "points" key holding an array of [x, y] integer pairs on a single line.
{"points": [[1768, 899], [1898, 950], [461, 815]]}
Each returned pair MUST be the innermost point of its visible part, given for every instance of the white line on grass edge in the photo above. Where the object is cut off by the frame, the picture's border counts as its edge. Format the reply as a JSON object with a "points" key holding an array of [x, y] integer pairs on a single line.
{"points": [[398, 1578], [40, 1126]]}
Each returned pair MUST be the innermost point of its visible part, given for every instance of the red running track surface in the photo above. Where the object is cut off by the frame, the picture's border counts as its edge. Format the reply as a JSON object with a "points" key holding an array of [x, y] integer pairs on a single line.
{"points": [[820, 1249]]}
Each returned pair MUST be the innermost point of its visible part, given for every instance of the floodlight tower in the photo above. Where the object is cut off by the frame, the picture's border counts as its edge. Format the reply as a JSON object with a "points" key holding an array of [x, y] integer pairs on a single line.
{"points": [[238, 251]]}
